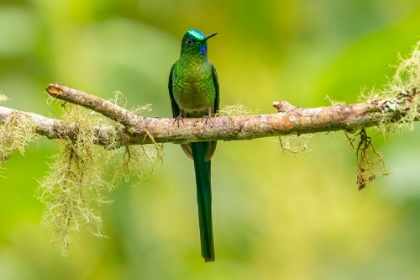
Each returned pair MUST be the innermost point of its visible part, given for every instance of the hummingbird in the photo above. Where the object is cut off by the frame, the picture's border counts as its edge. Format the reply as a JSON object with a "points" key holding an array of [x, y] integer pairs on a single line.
{"points": [[194, 93]]}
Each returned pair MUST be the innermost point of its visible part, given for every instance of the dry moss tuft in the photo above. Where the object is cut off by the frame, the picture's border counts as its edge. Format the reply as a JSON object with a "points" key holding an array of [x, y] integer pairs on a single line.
{"points": [[15, 134], [406, 82], [73, 189], [236, 109], [295, 143], [3, 98], [334, 102], [134, 161], [74, 182], [402, 88], [407, 75]]}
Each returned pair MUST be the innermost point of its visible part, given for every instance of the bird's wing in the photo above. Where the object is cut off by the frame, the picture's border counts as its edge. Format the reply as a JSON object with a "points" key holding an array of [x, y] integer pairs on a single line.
{"points": [[216, 86], [175, 108], [210, 147]]}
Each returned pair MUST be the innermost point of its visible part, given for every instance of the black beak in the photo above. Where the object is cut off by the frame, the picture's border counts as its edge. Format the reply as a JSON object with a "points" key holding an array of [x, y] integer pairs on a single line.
{"points": [[209, 36]]}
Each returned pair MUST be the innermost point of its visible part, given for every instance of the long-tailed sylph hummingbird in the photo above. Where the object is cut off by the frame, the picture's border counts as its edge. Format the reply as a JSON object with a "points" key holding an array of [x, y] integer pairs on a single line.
{"points": [[194, 92]]}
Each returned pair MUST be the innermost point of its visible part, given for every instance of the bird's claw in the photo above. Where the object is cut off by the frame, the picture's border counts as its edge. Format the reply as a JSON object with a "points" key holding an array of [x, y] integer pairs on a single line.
{"points": [[177, 119], [207, 117]]}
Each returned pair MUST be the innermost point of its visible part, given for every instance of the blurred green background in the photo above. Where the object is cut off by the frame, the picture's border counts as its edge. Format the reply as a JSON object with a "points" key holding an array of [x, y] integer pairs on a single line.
{"points": [[276, 215]]}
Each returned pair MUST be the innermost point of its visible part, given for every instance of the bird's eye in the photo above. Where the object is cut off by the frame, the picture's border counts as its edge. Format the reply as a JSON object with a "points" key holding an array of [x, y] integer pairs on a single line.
{"points": [[189, 41]]}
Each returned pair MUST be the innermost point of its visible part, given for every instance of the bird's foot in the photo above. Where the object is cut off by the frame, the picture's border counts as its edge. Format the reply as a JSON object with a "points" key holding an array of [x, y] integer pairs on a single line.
{"points": [[178, 119], [206, 117]]}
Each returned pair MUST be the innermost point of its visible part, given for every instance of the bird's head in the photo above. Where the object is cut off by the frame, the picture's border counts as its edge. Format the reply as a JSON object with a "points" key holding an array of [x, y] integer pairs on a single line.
{"points": [[195, 42]]}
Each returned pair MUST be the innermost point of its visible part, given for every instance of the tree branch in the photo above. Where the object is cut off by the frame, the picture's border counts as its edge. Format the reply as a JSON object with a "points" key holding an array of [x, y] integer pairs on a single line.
{"points": [[81, 172], [288, 120]]}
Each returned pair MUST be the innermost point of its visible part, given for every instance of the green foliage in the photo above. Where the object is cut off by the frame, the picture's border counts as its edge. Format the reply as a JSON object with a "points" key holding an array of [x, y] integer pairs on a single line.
{"points": [[276, 215]]}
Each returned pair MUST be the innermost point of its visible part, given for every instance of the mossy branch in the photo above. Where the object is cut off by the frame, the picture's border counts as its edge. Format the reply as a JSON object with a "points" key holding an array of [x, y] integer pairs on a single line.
{"points": [[83, 170], [135, 129]]}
